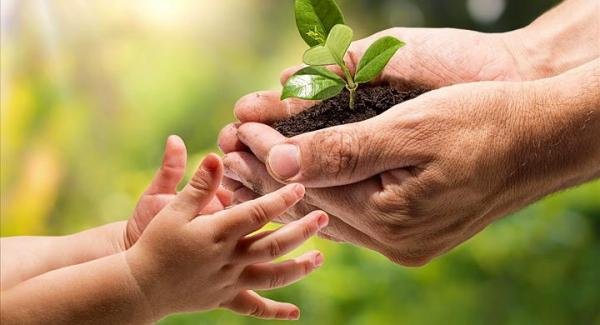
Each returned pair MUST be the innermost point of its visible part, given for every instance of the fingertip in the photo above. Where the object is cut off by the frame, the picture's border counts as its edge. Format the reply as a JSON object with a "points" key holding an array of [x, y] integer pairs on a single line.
{"points": [[322, 219], [212, 162], [318, 216], [175, 153], [245, 108], [318, 259], [174, 139], [228, 140], [210, 172], [297, 189], [294, 314], [288, 72]]}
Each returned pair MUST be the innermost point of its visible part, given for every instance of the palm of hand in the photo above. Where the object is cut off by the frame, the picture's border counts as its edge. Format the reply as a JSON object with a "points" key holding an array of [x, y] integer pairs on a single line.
{"points": [[147, 207]]}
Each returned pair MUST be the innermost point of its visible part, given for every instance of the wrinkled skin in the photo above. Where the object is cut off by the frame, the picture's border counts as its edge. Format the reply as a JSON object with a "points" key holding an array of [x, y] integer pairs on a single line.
{"points": [[430, 173]]}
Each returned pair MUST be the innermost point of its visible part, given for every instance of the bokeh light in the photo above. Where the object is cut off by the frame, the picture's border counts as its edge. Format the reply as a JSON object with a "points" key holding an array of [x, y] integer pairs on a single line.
{"points": [[91, 89]]}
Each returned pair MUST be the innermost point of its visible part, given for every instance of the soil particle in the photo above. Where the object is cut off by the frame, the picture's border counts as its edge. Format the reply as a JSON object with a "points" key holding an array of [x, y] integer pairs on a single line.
{"points": [[370, 101]]}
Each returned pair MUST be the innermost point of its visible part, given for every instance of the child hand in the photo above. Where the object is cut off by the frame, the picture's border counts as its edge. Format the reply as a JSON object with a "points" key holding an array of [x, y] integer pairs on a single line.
{"points": [[185, 262], [163, 190]]}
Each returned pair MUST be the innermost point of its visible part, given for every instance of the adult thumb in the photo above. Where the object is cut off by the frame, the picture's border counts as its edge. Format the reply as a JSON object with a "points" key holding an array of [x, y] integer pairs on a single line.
{"points": [[334, 156]]}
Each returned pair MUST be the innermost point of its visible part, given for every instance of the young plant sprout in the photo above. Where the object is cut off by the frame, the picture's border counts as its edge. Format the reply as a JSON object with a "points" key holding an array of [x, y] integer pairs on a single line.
{"points": [[321, 25]]}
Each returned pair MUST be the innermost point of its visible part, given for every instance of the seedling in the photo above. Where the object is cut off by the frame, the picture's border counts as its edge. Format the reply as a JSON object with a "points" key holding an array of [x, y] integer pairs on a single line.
{"points": [[321, 25]]}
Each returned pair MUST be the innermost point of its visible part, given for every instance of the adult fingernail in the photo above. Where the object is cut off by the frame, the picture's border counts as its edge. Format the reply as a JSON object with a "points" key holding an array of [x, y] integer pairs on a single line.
{"points": [[299, 189], [318, 260], [322, 221], [294, 315], [284, 161]]}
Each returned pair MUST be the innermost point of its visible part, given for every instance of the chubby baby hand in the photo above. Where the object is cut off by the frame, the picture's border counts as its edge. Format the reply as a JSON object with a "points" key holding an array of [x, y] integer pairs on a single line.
{"points": [[188, 261]]}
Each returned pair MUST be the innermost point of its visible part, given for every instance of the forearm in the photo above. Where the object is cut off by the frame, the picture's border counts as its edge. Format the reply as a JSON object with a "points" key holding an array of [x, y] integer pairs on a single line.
{"points": [[26, 257], [561, 39], [575, 106], [566, 140], [102, 291]]}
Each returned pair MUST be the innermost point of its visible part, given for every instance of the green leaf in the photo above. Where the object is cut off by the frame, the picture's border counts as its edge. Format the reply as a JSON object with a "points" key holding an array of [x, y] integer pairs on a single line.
{"points": [[324, 72], [376, 58], [315, 83], [318, 55], [338, 41], [333, 51], [315, 18]]}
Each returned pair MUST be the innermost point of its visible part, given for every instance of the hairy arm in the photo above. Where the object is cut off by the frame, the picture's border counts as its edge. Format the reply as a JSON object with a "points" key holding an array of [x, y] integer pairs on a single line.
{"points": [[572, 107], [561, 39]]}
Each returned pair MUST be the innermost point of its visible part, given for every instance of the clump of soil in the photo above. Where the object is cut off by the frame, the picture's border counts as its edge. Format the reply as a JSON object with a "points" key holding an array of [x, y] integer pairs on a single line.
{"points": [[370, 101]]}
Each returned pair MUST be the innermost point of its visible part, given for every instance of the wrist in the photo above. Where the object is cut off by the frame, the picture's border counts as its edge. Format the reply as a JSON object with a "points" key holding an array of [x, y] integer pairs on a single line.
{"points": [[531, 59], [560, 40], [147, 311], [100, 241], [143, 275], [570, 104]]}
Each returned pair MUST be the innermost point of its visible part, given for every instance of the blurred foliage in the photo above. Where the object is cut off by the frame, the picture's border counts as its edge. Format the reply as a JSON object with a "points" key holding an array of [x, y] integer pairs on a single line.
{"points": [[91, 89]]}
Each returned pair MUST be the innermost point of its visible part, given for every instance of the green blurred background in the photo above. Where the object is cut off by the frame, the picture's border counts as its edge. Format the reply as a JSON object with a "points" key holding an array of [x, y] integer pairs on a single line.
{"points": [[91, 89]]}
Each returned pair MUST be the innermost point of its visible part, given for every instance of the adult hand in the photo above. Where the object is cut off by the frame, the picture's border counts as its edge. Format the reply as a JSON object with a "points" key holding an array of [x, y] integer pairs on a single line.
{"points": [[430, 173], [432, 58]]}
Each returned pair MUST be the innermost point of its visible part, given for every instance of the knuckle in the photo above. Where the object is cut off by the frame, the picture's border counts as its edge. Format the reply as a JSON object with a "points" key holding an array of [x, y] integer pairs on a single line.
{"points": [[276, 280], [340, 152], [170, 171], [200, 183], [309, 230], [405, 201], [275, 248], [258, 310], [258, 214], [391, 201], [307, 267]]}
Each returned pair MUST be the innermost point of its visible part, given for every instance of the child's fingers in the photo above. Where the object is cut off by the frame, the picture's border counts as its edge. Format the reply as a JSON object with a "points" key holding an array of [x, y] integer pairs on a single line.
{"points": [[220, 201], [268, 276], [284, 239], [200, 190], [251, 304], [172, 169], [253, 215], [213, 206]]}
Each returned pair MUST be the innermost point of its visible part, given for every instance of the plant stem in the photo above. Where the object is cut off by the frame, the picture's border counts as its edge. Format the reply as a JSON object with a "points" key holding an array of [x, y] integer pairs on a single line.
{"points": [[352, 97], [350, 85]]}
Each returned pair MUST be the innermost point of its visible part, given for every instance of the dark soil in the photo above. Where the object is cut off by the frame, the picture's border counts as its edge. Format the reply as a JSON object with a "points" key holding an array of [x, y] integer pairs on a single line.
{"points": [[370, 101]]}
